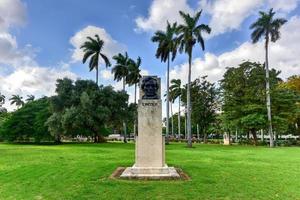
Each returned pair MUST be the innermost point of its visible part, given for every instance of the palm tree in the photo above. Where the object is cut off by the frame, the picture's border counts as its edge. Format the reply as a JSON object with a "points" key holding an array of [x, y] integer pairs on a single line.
{"points": [[16, 99], [2, 99], [121, 68], [268, 27], [133, 78], [92, 49], [190, 33], [176, 92], [120, 71], [30, 98], [166, 50]]}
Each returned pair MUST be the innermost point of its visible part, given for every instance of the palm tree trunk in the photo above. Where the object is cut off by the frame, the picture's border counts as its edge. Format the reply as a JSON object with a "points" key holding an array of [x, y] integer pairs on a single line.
{"points": [[97, 73], [135, 116], [167, 106], [198, 135], [179, 118], [124, 123], [185, 124], [189, 134], [268, 94], [172, 119]]}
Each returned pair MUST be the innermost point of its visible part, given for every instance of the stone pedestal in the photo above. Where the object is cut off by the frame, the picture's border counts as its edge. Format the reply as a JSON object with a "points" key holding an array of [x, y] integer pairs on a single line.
{"points": [[150, 144]]}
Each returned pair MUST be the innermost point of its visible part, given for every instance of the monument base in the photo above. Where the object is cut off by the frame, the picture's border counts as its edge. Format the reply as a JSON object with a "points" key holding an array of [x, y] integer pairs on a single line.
{"points": [[150, 173]]}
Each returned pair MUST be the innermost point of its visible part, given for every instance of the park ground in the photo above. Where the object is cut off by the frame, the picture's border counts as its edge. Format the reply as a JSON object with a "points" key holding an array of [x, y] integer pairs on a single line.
{"points": [[81, 171]]}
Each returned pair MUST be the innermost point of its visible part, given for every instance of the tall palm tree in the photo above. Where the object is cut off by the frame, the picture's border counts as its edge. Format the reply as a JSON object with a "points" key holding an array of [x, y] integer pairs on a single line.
{"points": [[120, 71], [166, 50], [2, 99], [16, 99], [121, 68], [268, 28], [190, 33], [92, 49], [176, 92], [133, 78], [30, 98]]}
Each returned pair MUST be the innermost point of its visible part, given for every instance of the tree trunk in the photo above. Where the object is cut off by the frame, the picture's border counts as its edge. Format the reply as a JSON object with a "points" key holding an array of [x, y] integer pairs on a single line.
{"points": [[262, 135], [135, 114], [253, 132], [198, 136], [172, 120], [268, 93], [204, 137], [97, 72], [125, 132], [95, 138], [179, 118], [124, 123], [236, 135], [247, 135], [167, 102], [57, 139], [189, 129], [185, 124]]}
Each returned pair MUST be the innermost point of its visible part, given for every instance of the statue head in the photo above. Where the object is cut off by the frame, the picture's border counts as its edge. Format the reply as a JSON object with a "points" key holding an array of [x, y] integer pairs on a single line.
{"points": [[150, 88]]}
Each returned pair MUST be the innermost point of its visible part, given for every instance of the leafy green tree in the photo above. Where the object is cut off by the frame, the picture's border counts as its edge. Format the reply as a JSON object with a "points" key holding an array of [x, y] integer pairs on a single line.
{"points": [[204, 96], [17, 100], [190, 33], [166, 50], [176, 91], [92, 49], [28, 123], [54, 124], [83, 108], [268, 28], [243, 95]]}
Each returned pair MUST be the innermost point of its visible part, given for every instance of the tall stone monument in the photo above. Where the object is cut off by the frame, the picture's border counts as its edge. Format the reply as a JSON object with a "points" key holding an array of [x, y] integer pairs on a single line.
{"points": [[150, 143]]}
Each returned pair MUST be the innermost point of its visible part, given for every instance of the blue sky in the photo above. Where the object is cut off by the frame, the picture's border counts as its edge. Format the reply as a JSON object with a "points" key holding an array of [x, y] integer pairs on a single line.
{"points": [[39, 40]]}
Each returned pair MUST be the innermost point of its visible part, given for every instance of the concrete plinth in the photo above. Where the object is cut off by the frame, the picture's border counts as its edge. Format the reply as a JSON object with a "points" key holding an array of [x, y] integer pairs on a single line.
{"points": [[150, 172]]}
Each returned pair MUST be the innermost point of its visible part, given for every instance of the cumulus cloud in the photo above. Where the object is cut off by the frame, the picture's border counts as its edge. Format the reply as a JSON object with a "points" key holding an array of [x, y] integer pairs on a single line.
{"points": [[228, 15], [225, 15], [20, 73], [284, 56], [159, 12], [38, 81], [12, 13], [111, 47], [283, 5]]}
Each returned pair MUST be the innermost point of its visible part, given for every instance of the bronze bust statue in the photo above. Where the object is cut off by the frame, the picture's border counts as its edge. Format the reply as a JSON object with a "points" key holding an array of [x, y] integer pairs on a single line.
{"points": [[150, 88]]}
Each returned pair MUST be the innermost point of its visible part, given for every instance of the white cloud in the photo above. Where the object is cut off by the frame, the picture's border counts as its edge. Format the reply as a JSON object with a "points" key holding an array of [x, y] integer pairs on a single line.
{"points": [[38, 81], [20, 73], [12, 12], [159, 12], [106, 74], [225, 15], [283, 56], [283, 5], [228, 15], [111, 47]]}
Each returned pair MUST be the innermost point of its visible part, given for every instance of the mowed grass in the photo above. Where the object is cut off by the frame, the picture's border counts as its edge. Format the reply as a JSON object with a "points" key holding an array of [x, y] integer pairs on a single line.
{"points": [[81, 171]]}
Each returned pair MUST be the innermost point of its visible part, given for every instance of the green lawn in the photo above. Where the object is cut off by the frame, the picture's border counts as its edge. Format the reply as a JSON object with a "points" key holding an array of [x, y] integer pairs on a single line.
{"points": [[81, 171]]}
